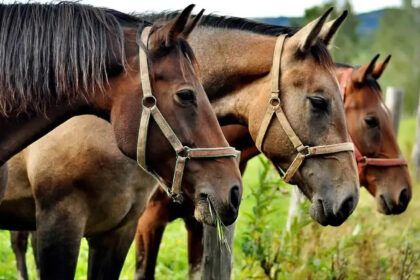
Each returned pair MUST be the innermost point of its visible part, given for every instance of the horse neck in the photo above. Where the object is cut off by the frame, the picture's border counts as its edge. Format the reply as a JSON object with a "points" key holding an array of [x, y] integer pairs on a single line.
{"points": [[231, 61], [20, 130]]}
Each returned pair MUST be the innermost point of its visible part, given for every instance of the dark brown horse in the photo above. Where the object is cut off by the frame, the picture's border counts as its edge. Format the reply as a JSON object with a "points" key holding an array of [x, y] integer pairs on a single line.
{"points": [[68, 59], [239, 87], [393, 192]]}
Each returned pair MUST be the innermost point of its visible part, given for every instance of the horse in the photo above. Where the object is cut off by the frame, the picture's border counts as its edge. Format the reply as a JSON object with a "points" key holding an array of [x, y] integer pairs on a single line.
{"points": [[75, 59], [388, 180], [230, 85]]}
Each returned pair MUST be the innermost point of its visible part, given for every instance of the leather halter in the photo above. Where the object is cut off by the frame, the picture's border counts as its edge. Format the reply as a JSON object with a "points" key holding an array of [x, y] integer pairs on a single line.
{"points": [[183, 153], [364, 161], [274, 107]]}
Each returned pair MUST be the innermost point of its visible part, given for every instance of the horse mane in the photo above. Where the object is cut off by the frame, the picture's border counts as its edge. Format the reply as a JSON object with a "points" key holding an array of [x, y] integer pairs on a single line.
{"points": [[319, 51], [56, 52], [227, 22]]}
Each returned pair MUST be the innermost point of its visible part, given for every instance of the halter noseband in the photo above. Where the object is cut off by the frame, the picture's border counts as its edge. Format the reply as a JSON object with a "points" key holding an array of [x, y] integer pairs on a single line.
{"points": [[274, 107], [183, 153], [364, 161]]}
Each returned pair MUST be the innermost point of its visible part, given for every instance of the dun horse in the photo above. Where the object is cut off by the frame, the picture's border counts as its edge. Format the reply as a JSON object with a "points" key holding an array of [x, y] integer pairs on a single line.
{"points": [[73, 59], [238, 85], [382, 169]]}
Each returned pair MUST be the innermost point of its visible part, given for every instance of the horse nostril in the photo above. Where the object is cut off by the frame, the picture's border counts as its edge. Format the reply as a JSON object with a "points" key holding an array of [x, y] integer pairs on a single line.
{"points": [[404, 197], [235, 198], [203, 196], [347, 206]]}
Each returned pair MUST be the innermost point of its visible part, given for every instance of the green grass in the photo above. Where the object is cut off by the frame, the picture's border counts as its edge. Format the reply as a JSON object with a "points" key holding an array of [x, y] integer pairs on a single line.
{"points": [[372, 241]]}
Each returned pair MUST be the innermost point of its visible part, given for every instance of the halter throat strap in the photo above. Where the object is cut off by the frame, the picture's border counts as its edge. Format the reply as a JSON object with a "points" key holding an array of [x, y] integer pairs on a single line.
{"points": [[183, 153], [275, 108]]}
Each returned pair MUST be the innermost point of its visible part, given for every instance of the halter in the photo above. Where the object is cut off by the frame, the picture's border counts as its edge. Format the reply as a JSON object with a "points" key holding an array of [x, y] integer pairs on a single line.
{"points": [[274, 107], [183, 153], [364, 161]]}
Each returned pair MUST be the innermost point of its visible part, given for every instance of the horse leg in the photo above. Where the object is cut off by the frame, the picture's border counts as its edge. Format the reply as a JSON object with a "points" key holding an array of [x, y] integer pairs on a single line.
{"points": [[35, 252], [60, 228], [158, 213], [195, 247], [107, 251], [19, 240]]}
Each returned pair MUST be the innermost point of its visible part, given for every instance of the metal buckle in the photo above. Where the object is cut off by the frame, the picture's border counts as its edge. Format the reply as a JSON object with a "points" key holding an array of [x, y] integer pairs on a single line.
{"points": [[304, 150], [148, 102]]}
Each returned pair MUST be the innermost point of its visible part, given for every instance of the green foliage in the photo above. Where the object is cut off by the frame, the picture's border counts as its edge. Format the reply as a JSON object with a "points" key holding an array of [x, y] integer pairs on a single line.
{"points": [[399, 35]]}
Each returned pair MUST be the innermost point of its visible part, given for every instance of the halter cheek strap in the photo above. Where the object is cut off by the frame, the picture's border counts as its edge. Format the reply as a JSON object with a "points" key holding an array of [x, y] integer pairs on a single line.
{"points": [[183, 153], [274, 108], [363, 161]]}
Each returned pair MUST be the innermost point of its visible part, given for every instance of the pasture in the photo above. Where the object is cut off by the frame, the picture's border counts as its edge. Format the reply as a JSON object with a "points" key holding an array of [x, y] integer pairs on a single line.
{"points": [[368, 244]]}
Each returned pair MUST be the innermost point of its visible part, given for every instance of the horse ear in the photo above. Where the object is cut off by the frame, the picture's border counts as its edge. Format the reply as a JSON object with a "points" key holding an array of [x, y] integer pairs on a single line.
{"points": [[359, 75], [192, 24], [330, 28], [308, 35], [178, 25], [380, 67]]}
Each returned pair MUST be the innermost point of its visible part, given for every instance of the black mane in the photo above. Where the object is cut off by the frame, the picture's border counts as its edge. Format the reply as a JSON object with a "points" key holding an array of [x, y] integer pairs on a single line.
{"points": [[319, 50], [53, 52], [217, 21]]}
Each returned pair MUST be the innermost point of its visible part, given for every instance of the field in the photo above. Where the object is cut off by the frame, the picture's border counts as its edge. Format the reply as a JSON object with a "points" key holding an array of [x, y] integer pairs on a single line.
{"points": [[369, 245]]}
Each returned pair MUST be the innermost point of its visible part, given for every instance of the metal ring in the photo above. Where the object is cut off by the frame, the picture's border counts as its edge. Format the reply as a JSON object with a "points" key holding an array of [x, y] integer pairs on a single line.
{"points": [[304, 150], [149, 101], [274, 102], [184, 152]]}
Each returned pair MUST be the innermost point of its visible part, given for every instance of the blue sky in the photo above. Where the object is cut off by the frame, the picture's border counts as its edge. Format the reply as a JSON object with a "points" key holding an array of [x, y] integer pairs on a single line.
{"points": [[241, 8]]}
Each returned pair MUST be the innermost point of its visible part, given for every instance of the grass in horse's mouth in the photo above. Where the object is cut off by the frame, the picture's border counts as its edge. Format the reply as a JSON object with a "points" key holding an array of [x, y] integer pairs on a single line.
{"points": [[220, 227]]}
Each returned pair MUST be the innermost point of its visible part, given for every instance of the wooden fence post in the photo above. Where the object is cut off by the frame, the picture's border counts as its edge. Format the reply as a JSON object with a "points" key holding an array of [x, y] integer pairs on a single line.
{"points": [[217, 259], [295, 211], [394, 101], [416, 148]]}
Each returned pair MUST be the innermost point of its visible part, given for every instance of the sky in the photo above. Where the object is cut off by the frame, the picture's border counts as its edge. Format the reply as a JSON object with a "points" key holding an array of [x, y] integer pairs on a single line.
{"points": [[240, 8]]}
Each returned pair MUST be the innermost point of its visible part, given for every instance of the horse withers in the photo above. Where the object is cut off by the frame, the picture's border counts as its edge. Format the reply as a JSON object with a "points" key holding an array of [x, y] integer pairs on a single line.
{"points": [[90, 64]]}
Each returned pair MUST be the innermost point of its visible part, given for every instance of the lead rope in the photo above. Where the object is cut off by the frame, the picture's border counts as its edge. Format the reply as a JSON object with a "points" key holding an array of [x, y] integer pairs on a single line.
{"points": [[274, 107], [183, 153]]}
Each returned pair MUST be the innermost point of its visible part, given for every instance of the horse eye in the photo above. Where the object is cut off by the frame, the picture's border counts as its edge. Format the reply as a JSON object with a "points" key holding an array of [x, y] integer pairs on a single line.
{"points": [[372, 121], [318, 103], [186, 95]]}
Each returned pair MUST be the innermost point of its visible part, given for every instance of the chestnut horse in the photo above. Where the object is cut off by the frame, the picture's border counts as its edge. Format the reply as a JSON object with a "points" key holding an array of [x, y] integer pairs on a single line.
{"points": [[74, 59], [307, 79]]}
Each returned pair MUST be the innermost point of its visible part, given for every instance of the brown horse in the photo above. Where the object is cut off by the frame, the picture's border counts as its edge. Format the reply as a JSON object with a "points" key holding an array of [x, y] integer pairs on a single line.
{"points": [[382, 169], [389, 183], [89, 63], [230, 85]]}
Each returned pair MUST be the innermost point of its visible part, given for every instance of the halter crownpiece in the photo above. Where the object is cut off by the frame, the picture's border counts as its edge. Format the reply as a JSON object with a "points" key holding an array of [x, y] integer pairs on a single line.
{"points": [[183, 153], [274, 107], [364, 161]]}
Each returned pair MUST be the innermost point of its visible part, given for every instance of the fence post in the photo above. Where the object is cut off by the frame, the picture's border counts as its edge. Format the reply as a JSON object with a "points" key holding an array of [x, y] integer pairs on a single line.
{"points": [[394, 101], [416, 148], [295, 211], [217, 259]]}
